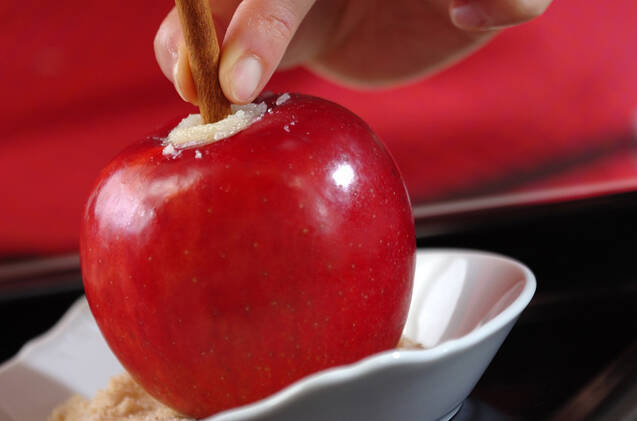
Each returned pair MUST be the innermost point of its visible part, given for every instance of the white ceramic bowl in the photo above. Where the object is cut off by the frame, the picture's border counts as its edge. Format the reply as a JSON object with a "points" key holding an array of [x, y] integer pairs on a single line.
{"points": [[464, 305]]}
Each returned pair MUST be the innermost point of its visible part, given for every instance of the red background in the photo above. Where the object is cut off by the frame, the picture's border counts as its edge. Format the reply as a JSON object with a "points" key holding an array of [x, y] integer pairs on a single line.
{"points": [[549, 104]]}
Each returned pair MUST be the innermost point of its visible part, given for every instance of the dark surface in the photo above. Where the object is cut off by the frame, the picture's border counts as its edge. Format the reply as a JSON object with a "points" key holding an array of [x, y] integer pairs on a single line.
{"points": [[583, 316], [584, 313]]}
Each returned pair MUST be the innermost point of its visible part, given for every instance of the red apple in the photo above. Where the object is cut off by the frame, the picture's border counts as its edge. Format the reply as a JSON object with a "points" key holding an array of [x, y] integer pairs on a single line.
{"points": [[223, 274]]}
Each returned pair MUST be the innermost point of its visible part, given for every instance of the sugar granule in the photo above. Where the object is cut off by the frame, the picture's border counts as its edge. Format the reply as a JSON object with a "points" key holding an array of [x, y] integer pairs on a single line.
{"points": [[282, 98], [169, 150]]}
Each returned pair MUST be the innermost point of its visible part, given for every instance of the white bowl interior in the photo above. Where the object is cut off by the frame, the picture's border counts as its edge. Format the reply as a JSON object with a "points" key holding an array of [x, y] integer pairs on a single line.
{"points": [[456, 293]]}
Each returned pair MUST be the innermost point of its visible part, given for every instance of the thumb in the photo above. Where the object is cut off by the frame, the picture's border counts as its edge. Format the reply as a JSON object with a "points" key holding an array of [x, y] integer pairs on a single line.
{"points": [[256, 40]]}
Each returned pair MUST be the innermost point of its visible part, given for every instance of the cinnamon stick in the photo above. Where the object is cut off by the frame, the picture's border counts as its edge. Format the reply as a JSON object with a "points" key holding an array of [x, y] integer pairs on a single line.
{"points": [[203, 55]]}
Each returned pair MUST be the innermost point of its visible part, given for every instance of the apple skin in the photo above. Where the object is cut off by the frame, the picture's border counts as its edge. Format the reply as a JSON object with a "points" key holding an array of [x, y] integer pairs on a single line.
{"points": [[222, 275]]}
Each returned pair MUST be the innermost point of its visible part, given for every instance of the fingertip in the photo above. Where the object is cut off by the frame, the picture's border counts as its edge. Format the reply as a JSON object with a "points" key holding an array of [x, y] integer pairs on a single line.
{"points": [[480, 15], [166, 44], [257, 38], [241, 75], [182, 77], [469, 16], [172, 57]]}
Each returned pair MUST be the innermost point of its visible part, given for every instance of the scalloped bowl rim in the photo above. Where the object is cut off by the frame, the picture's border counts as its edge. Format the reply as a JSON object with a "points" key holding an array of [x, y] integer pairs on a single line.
{"points": [[391, 358], [326, 378]]}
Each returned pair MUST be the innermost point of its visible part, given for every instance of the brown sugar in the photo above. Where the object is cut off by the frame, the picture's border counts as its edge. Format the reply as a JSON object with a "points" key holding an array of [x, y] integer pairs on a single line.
{"points": [[125, 400], [122, 399]]}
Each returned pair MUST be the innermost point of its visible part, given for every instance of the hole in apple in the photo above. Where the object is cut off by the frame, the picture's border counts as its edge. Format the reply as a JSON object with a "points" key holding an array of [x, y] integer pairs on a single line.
{"points": [[192, 132]]}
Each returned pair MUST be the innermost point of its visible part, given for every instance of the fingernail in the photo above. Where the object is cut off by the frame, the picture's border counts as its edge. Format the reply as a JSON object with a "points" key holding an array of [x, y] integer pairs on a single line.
{"points": [[245, 78], [177, 84], [469, 15], [179, 64]]}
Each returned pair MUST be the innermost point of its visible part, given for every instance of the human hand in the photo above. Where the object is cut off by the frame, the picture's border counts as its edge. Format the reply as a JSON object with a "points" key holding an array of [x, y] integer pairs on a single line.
{"points": [[365, 43]]}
